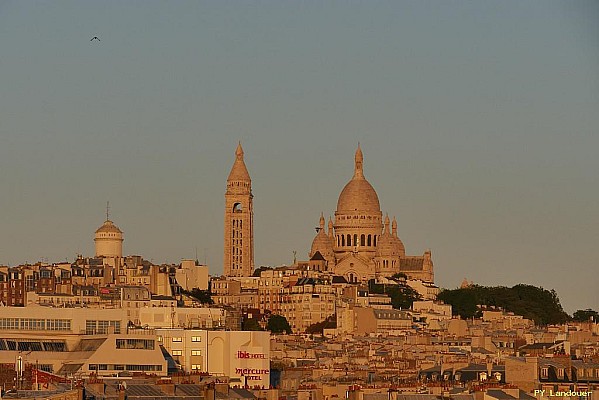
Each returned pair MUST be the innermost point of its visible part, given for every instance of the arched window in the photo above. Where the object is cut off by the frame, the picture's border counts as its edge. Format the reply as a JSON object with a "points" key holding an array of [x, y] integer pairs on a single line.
{"points": [[237, 208], [374, 240], [342, 240], [348, 239], [363, 240], [369, 240], [338, 244], [355, 239]]}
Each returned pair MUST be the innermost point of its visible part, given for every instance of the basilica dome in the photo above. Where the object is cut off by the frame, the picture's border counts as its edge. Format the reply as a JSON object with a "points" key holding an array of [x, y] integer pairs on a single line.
{"points": [[358, 194]]}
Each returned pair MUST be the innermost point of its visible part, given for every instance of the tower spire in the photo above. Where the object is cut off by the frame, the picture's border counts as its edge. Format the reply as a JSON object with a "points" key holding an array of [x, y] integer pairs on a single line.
{"points": [[239, 171], [107, 210], [359, 163], [386, 227], [239, 151]]}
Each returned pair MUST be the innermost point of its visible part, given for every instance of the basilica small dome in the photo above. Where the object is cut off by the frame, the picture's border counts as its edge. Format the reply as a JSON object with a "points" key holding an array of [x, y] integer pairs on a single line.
{"points": [[389, 244], [322, 242]]}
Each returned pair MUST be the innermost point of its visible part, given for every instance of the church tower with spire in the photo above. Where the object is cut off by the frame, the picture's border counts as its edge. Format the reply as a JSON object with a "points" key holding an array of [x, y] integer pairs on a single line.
{"points": [[239, 220]]}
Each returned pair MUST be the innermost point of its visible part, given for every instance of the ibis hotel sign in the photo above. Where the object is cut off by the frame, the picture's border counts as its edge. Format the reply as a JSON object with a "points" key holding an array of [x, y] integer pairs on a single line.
{"points": [[247, 355]]}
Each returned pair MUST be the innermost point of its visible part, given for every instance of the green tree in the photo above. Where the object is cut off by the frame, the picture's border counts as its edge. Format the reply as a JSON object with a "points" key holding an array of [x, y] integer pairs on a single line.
{"points": [[203, 296], [463, 301], [586, 315], [251, 324], [402, 296], [535, 303], [259, 270], [278, 324], [319, 327]]}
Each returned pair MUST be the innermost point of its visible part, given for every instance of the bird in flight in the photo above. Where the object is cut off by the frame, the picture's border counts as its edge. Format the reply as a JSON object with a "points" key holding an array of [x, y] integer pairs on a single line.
{"points": [[95, 38]]}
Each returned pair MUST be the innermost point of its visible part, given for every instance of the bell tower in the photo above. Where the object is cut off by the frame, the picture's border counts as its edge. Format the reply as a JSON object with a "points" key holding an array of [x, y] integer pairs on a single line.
{"points": [[239, 220]]}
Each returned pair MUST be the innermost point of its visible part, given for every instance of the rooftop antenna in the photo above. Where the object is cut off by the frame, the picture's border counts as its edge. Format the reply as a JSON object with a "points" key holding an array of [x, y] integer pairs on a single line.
{"points": [[294, 258], [107, 211]]}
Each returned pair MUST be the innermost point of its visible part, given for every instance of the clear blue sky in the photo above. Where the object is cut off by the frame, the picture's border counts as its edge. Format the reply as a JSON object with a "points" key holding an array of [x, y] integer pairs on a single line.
{"points": [[479, 123]]}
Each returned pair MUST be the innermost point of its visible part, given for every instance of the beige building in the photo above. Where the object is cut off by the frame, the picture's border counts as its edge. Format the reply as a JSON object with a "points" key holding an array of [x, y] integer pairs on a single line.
{"points": [[360, 244], [190, 275], [180, 317], [239, 220], [242, 356], [367, 320], [307, 302], [77, 341]]}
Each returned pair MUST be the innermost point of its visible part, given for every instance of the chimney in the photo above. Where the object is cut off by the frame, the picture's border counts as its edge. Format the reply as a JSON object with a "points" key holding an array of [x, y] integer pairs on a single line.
{"points": [[209, 392], [167, 387]]}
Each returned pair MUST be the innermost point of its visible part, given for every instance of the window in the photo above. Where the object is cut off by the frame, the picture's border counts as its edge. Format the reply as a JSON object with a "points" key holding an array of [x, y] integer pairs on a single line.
{"points": [[135, 367], [177, 352], [146, 344], [196, 338], [196, 367], [196, 352], [544, 372], [177, 339]]}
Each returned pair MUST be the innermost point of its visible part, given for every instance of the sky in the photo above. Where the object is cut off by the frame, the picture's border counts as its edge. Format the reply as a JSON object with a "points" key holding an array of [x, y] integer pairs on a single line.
{"points": [[479, 124]]}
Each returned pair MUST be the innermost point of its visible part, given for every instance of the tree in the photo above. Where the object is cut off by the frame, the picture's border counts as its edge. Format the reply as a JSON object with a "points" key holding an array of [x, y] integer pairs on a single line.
{"points": [[251, 324], [319, 327], [203, 296], [402, 296], [535, 303], [463, 301], [586, 315], [259, 270], [278, 324]]}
